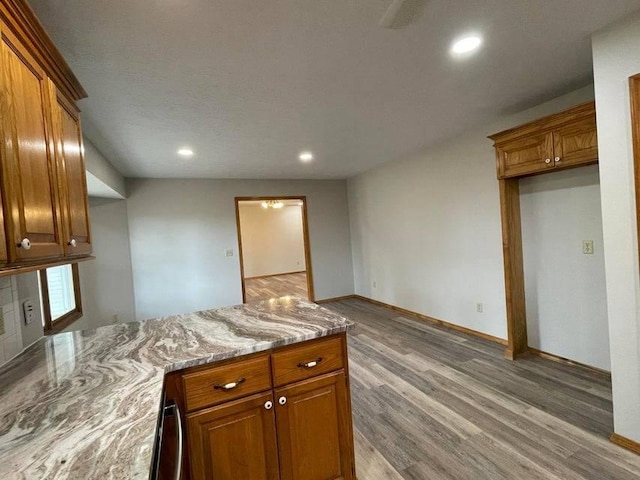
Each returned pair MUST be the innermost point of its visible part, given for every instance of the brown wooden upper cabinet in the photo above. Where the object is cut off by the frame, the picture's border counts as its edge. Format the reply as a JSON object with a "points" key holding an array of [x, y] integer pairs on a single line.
{"points": [[44, 215], [73, 182], [563, 140]]}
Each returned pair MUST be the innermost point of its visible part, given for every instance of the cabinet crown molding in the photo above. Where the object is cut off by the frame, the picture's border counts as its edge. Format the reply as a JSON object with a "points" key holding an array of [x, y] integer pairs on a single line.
{"points": [[20, 18], [549, 122]]}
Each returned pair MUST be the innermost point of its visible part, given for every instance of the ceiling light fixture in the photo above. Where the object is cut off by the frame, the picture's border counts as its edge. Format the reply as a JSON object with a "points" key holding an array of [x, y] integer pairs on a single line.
{"points": [[272, 204], [185, 152], [466, 45], [305, 156]]}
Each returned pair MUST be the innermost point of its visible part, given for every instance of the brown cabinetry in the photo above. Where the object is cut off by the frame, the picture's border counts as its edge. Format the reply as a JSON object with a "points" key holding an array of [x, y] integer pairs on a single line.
{"points": [[44, 194], [73, 182], [235, 440], [32, 222], [313, 429], [240, 425], [564, 140]]}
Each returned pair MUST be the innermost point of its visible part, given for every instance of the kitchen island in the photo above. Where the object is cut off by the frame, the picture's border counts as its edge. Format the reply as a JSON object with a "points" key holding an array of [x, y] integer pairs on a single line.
{"points": [[85, 405]]}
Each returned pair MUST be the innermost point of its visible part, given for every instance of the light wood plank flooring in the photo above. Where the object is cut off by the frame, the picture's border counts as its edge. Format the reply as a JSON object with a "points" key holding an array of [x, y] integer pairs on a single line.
{"points": [[264, 288], [431, 403]]}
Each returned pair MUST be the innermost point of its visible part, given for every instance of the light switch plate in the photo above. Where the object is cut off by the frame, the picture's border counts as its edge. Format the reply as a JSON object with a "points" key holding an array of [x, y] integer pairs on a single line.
{"points": [[229, 252]]}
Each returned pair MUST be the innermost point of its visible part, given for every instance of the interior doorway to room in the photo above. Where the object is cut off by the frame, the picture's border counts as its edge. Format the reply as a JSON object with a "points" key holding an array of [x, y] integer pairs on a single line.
{"points": [[273, 240]]}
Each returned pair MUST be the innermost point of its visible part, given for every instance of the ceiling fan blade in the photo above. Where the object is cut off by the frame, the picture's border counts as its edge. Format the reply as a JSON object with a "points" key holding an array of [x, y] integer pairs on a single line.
{"points": [[402, 13], [392, 12]]}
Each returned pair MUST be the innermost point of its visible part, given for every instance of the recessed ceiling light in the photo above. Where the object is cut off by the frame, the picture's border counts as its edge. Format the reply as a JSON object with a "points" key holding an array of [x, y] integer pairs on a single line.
{"points": [[466, 45], [305, 156], [185, 152]]}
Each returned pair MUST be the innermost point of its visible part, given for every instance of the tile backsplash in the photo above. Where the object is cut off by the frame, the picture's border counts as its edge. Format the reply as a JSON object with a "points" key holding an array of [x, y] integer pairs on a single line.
{"points": [[10, 331]]}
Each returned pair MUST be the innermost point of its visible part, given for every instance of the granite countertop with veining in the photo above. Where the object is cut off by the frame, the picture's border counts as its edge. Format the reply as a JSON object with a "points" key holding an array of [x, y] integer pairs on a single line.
{"points": [[84, 405]]}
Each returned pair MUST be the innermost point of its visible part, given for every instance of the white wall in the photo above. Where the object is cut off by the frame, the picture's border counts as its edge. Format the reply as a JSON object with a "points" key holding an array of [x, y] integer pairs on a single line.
{"points": [[100, 168], [615, 59], [10, 331], [427, 229], [106, 283], [29, 289], [565, 289], [272, 239], [180, 230]]}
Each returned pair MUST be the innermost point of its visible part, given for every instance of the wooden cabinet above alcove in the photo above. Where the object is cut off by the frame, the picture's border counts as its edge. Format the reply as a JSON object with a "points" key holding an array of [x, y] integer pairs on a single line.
{"points": [[564, 140]]}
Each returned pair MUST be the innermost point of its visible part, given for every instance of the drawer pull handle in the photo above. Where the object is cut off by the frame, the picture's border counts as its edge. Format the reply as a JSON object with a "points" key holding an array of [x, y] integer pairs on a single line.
{"points": [[229, 386], [310, 364]]}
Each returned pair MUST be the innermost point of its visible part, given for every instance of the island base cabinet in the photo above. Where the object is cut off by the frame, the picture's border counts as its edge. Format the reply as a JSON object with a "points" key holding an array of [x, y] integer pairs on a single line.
{"points": [[313, 420], [235, 440], [284, 414]]}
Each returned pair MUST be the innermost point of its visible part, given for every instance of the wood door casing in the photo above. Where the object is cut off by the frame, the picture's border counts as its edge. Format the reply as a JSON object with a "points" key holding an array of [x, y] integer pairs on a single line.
{"points": [[576, 143], [29, 174], [314, 429], [234, 440], [526, 155], [73, 185]]}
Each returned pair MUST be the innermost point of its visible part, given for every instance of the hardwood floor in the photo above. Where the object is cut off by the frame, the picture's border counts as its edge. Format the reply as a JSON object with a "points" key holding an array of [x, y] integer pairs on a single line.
{"points": [[264, 288], [431, 403]]}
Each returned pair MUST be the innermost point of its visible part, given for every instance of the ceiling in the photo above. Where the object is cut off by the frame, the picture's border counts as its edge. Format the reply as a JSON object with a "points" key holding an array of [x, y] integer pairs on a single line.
{"points": [[248, 84]]}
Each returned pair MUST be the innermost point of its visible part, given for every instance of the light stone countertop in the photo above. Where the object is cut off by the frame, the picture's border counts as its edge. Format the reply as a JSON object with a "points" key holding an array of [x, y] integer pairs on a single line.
{"points": [[84, 405]]}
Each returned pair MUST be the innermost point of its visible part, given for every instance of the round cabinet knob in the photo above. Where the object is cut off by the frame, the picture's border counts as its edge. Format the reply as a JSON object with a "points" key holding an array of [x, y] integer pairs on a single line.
{"points": [[73, 243], [547, 161], [25, 243], [282, 400], [557, 159], [268, 404]]}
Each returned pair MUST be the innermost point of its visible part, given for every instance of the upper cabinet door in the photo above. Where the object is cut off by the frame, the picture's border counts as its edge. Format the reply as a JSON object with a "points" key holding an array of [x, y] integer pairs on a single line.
{"points": [[314, 429], [29, 177], [73, 182], [576, 143], [525, 156]]}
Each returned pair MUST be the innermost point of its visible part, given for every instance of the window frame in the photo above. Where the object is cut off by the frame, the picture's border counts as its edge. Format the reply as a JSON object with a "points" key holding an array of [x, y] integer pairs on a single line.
{"points": [[55, 326]]}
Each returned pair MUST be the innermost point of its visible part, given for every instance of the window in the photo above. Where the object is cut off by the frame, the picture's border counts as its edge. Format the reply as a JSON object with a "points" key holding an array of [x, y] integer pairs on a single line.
{"points": [[61, 302]]}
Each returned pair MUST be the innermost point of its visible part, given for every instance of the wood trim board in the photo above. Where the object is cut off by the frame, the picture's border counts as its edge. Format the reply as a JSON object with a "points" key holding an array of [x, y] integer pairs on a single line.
{"points": [[305, 233], [22, 21], [274, 275], [566, 361], [634, 95], [625, 442], [468, 331], [419, 316], [50, 326]]}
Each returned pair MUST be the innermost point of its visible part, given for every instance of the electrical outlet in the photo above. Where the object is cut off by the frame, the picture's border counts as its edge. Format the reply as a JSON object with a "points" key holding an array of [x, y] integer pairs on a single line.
{"points": [[229, 252], [374, 284], [587, 247], [480, 307], [29, 311]]}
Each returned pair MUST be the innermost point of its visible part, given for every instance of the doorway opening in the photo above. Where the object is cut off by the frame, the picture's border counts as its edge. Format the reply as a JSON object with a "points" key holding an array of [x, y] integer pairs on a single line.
{"points": [[273, 246]]}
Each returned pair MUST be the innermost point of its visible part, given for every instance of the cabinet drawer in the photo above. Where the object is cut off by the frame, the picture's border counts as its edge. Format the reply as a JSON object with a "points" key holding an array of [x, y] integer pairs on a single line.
{"points": [[227, 382], [306, 360]]}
